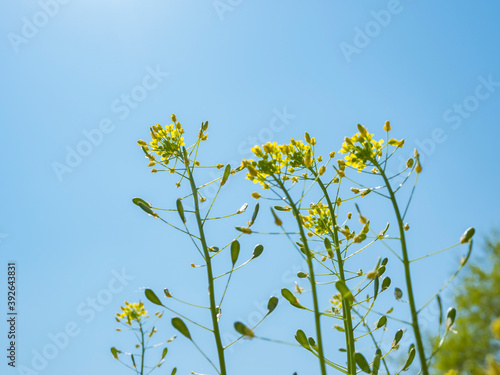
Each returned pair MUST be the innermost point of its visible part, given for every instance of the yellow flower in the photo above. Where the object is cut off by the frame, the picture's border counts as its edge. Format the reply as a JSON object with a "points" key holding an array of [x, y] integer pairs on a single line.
{"points": [[452, 372], [361, 149], [132, 312], [273, 161], [395, 142], [166, 141]]}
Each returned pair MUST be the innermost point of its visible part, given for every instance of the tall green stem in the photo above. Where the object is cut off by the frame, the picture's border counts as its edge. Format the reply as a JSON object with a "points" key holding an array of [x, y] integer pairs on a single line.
{"points": [[406, 263], [346, 308], [312, 279], [143, 345], [211, 290]]}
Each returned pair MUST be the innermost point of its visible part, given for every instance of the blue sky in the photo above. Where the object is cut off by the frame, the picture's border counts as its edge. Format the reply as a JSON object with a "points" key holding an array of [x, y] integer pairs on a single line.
{"points": [[257, 71]]}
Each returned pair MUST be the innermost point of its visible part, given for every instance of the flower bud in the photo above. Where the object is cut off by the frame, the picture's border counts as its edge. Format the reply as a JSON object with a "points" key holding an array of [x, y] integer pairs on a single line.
{"points": [[307, 137], [409, 163], [308, 159], [418, 168], [255, 195], [331, 154], [174, 118], [322, 170], [387, 126], [362, 130]]}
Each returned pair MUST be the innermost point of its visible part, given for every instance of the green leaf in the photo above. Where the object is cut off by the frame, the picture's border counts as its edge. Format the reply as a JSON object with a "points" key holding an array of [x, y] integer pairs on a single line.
{"points": [[271, 305], [451, 314], [226, 174], [254, 215], [243, 329], [362, 363], [294, 301], [164, 353], [150, 295], [376, 362], [181, 327], [257, 251], [397, 337], [381, 322], [235, 251], [375, 288], [143, 204], [410, 358], [386, 283], [133, 361], [344, 290], [301, 338], [115, 352], [174, 371], [180, 210], [384, 261]]}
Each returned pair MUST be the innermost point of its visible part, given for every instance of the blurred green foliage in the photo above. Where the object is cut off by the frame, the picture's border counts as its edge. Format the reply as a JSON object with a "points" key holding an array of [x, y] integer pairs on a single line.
{"points": [[477, 301]]}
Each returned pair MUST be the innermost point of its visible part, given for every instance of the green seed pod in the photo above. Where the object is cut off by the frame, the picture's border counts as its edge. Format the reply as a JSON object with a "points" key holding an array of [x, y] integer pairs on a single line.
{"points": [[226, 174], [180, 210], [466, 237], [181, 327]]}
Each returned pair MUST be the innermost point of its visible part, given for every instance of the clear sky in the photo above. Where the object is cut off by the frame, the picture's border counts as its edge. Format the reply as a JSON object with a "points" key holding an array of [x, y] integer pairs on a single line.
{"points": [[105, 71]]}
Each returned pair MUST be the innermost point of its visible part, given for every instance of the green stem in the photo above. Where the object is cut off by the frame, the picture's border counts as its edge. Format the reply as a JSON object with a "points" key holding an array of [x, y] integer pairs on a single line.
{"points": [[317, 313], [346, 308], [211, 289], [143, 348], [406, 263]]}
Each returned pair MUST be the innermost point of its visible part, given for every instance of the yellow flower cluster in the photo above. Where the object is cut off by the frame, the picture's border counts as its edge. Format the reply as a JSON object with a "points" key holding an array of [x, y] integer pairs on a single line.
{"points": [[336, 302], [279, 160], [166, 141], [362, 148], [131, 312], [319, 219]]}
